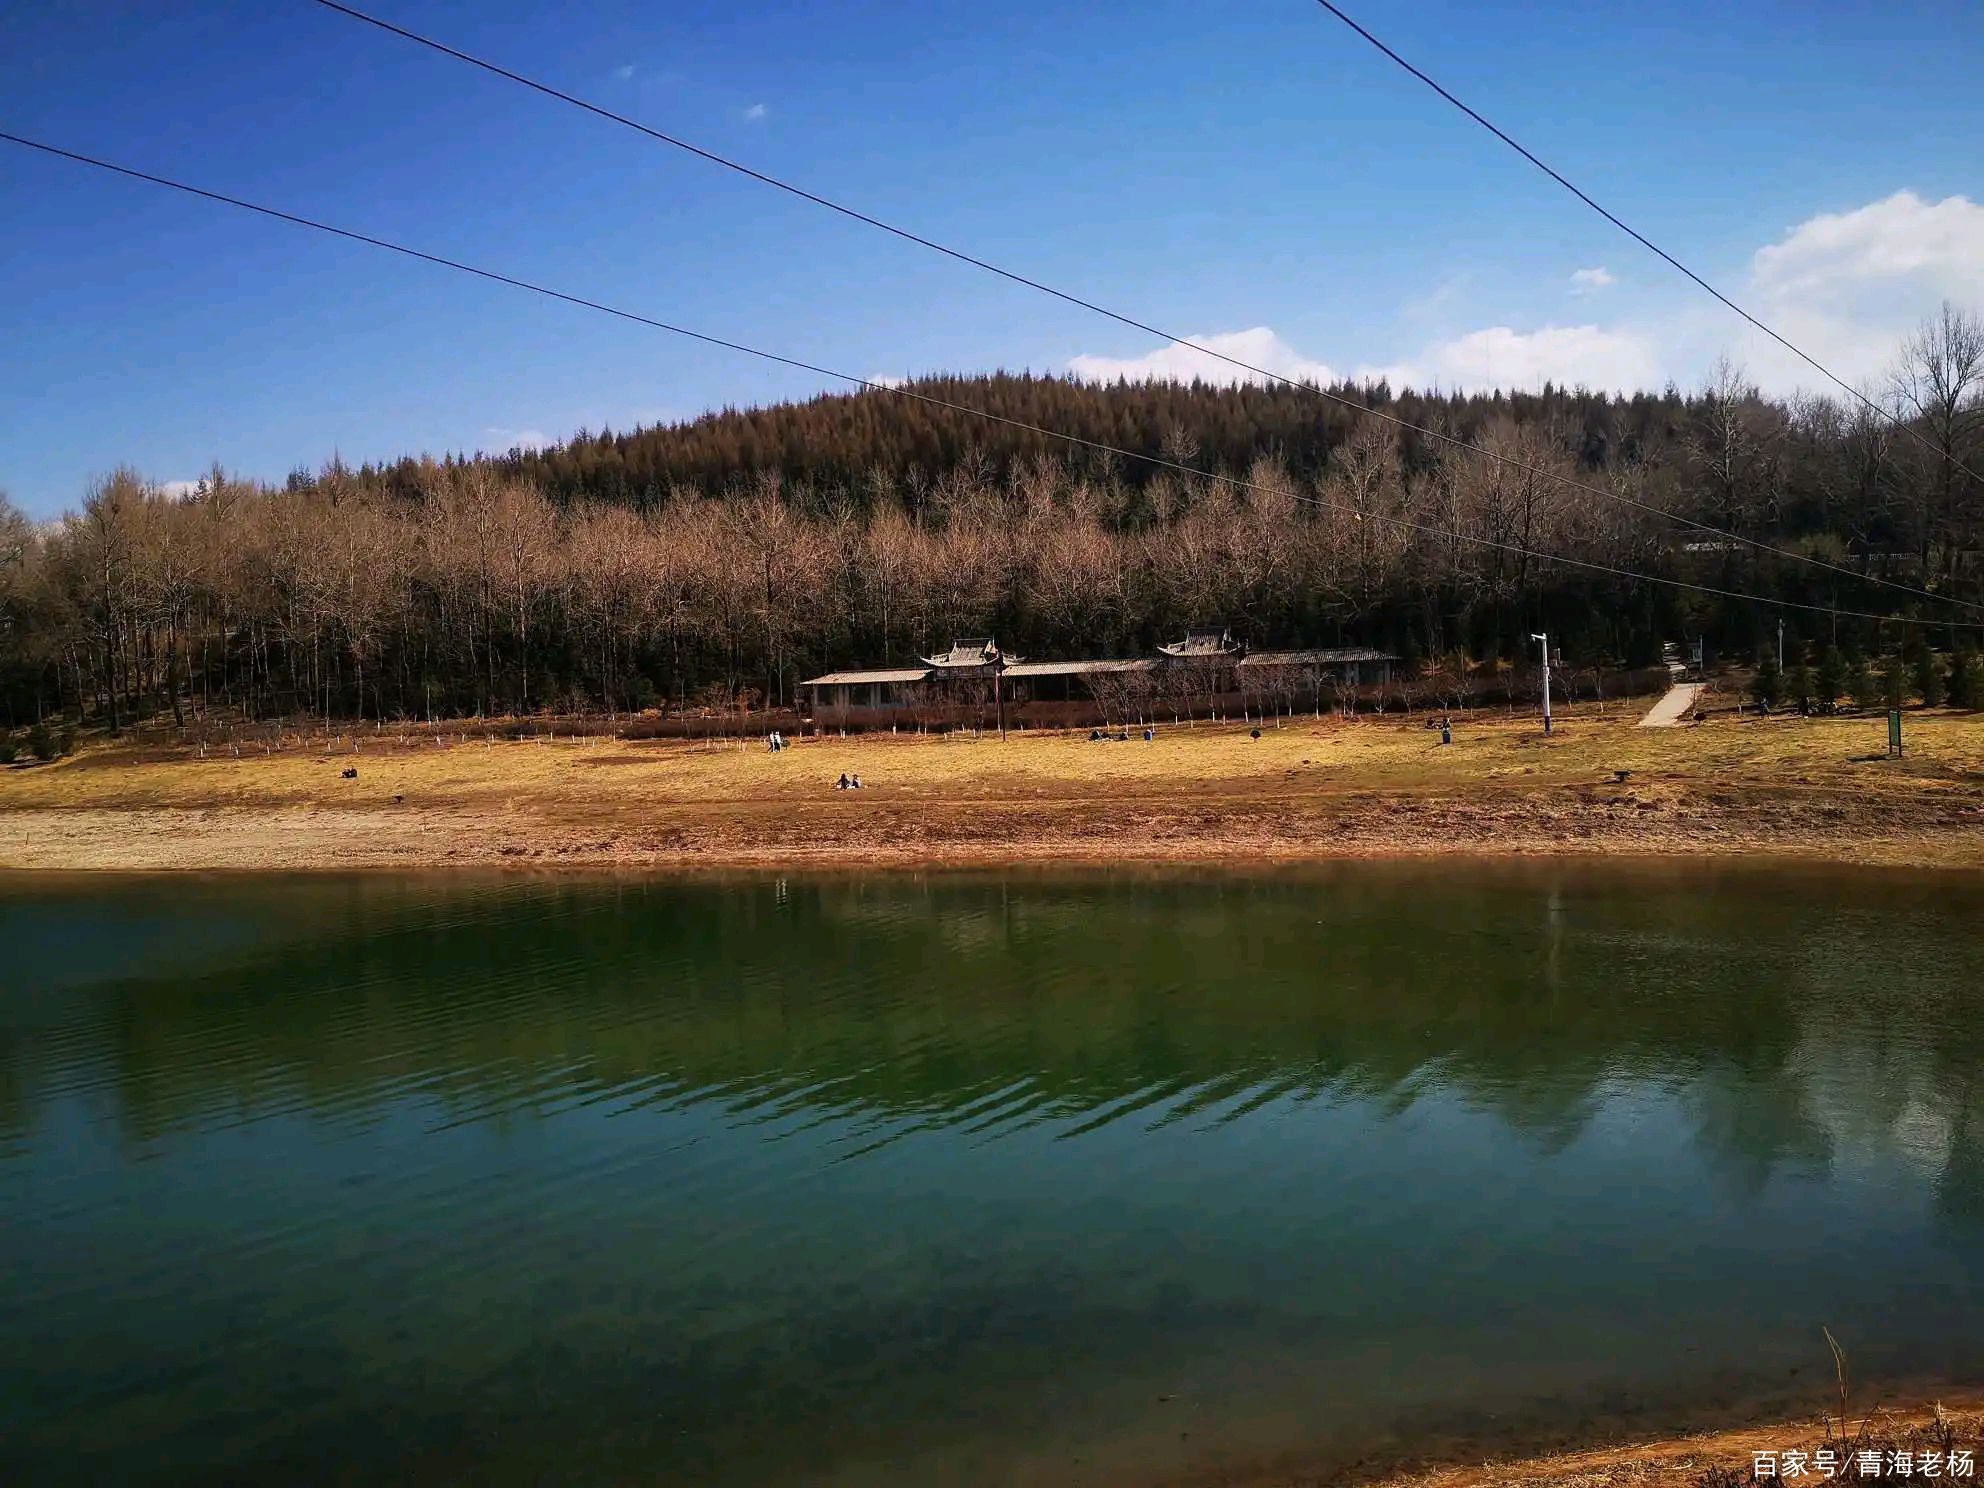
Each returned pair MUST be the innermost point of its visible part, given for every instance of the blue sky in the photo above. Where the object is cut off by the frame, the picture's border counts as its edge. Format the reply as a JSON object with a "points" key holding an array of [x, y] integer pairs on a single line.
{"points": [[1247, 169]]}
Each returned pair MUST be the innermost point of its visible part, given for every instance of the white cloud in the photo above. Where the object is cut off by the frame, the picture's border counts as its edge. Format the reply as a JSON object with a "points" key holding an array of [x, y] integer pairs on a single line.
{"points": [[624, 71], [1848, 286], [1502, 357], [1902, 237], [887, 380], [1259, 347], [509, 439], [1499, 356], [755, 112], [1845, 286], [178, 490]]}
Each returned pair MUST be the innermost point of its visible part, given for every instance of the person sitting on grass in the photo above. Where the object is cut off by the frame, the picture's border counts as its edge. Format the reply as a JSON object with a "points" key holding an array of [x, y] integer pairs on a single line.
{"points": [[841, 784], [854, 782]]}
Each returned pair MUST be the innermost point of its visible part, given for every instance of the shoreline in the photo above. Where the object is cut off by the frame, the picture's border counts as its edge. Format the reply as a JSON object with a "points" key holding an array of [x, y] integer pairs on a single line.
{"points": [[1687, 1457], [235, 840], [1787, 790]]}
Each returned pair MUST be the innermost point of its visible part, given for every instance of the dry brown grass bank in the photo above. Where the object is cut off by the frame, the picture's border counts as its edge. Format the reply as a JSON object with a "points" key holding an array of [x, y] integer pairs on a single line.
{"points": [[1728, 1458], [1779, 786]]}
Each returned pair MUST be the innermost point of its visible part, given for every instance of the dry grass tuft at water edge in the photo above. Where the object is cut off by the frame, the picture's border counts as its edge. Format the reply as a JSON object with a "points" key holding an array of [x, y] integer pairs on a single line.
{"points": [[1729, 1459]]}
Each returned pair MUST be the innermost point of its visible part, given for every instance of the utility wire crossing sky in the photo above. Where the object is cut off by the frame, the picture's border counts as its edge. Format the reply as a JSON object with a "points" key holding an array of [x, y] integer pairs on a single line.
{"points": [[1245, 174], [1355, 405], [1402, 523], [1637, 236]]}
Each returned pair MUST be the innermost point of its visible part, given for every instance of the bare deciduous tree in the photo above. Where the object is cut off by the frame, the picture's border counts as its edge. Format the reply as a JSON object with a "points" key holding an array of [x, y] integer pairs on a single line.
{"points": [[1939, 380]]}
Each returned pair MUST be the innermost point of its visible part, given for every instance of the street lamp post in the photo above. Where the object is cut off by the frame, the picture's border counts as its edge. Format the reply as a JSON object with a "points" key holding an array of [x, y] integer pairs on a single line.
{"points": [[1544, 641]]}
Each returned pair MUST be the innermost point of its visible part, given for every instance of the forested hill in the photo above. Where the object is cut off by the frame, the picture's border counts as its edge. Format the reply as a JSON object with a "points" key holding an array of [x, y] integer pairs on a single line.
{"points": [[734, 555], [842, 441]]}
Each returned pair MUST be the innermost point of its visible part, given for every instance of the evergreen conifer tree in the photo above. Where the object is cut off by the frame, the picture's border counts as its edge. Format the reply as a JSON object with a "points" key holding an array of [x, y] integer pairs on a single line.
{"points": [[1829, 679], [1894, 680], [1966, 680], [1767, 687], [1931, 683], [1862, 685], [1804, 687]]}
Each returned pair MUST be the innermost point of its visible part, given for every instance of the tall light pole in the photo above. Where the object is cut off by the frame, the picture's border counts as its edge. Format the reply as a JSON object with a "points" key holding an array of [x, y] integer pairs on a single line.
{"points": [[1544, 640]]}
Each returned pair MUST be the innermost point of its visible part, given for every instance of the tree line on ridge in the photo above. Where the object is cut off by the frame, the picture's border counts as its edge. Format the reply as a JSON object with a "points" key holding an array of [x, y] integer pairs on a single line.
{"points": [[717, 562]]}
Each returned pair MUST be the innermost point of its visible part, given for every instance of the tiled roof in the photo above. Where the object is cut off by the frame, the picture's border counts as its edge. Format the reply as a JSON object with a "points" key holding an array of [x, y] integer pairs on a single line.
{"points": [[975, 652], [884, 674], [1075, 668], [1201, 643], [1018, 669], [1315, 658]]}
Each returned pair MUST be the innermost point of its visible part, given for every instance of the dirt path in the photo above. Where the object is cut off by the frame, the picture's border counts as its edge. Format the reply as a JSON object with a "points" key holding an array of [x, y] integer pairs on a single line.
{"points": [[1674, 705]]}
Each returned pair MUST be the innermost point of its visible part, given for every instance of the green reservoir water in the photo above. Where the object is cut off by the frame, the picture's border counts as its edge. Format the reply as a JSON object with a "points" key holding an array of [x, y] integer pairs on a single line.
{"points": [[965, 1179]]}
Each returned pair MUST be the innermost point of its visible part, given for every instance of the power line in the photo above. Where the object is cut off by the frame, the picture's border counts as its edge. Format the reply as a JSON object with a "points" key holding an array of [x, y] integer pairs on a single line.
{"points": [[497, 277], [1641, 238], [1508, 461]]}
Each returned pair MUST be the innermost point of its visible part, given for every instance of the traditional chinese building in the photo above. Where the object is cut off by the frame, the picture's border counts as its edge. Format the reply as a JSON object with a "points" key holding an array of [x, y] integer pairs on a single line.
{"points": [[974, 681], [1203, 645]]}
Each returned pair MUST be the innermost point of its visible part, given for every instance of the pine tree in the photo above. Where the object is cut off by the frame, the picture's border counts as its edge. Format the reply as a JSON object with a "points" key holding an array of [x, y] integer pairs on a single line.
{"points": [[1829, 681], [1930, 679], [1862, 685], [1894, 681], [1804, 687], [1966, 681], [1767, 687]]}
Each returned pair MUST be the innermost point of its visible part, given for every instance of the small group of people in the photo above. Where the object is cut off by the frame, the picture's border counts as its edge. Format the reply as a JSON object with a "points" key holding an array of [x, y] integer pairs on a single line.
{"points": [[774, 741], [848, 782], [1103, 736]]}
